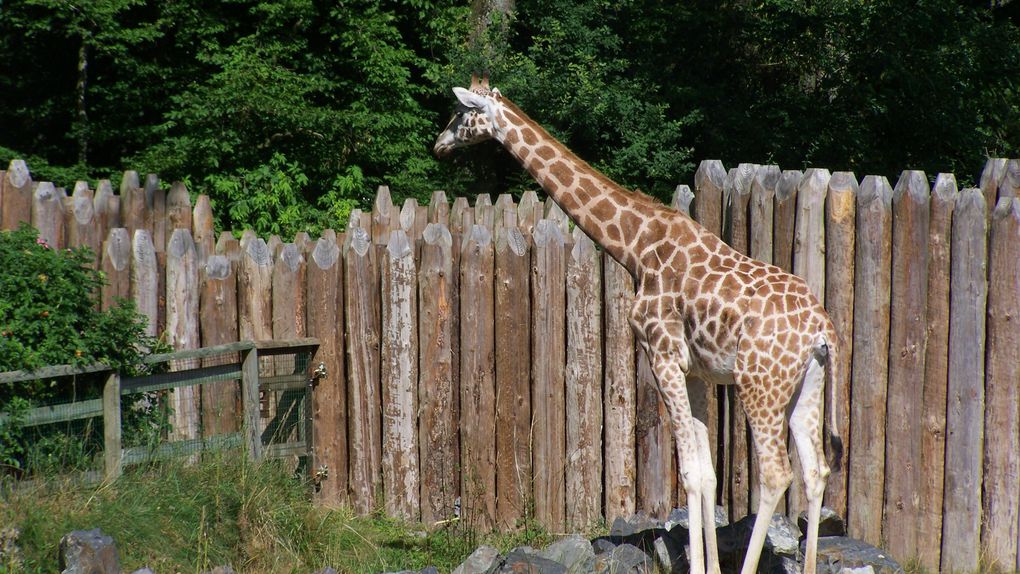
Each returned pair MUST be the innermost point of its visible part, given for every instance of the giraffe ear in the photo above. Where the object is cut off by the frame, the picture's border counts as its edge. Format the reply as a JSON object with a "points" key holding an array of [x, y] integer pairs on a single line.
{"points": [[470, 99]]}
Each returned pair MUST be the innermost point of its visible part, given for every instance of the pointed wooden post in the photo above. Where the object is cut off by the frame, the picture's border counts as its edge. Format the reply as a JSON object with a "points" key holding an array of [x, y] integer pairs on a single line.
{"points": [[218, 326], [870, 360], [16, 196], [1001, 488], [438, 425], [936, 368], [548, 292], [182, 299], [513, 376], [908, 338], [620, 392], [477, 378], [840, 254], [584, 383], [961, 522], [399, 379]]}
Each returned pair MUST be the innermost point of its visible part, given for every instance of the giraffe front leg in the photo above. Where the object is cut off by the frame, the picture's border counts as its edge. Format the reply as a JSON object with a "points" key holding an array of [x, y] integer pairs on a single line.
{"points": [[669, 355]]}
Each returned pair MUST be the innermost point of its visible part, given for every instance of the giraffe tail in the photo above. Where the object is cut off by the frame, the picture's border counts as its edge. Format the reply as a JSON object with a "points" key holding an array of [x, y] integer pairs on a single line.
{"points": [[828, 351]]}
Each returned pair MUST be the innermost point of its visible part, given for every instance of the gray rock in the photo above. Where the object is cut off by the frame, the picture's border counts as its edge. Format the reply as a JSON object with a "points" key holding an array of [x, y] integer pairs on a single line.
{"points": [[527, 561], [327, 570], [144, 570], [781, 541], [426, 570], [624, 559], [602, 545], [575, 553], [480, 561], [836, 554], [634, 524], [671, 551], [829, 524], [88, 552], [681, 517], [785, 565]]}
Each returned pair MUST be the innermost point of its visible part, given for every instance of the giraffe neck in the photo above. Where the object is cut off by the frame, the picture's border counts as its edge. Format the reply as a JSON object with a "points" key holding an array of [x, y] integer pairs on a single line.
{"points": [[612, 216]]}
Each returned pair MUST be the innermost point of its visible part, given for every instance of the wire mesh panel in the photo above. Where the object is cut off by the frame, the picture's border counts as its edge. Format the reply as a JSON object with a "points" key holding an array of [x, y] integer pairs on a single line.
{"points": [[284, 402], [190, 405], [58, 431]]}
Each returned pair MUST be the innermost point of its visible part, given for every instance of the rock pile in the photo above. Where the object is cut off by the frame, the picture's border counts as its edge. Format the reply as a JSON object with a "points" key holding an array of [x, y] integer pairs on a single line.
{"points": [[637, 545]]}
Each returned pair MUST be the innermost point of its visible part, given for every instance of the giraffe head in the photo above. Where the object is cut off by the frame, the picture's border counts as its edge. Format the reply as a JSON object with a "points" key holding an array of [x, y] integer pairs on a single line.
{"points": [[475, 119]]}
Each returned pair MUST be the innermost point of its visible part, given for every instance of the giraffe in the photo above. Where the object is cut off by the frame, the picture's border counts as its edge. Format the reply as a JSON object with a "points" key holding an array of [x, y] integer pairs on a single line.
{"points": [[701, 309]]}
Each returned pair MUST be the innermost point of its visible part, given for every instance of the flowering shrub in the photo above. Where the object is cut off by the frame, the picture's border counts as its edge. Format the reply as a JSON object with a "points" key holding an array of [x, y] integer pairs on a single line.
{"points": [[49, 313]]}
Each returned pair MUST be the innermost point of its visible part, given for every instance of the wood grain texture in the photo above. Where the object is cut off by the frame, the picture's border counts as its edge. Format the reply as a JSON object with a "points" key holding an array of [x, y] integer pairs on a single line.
{"points": [[437, 423], [48, 214], [16, 195], [871, 359], [1001, 487], [218, 326], [933, 421], [840, 252], [961, 520], [477, 380], [362, 306], [399, 379], [619, 404], [548, 335], [584, 383], [513, 376], [908, 340], [182, 329], [145, 279], [785, 218]]}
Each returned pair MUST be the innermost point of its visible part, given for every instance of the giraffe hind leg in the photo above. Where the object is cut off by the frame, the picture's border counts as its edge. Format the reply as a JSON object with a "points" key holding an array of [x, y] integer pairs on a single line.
{"points": [[806, 427]]}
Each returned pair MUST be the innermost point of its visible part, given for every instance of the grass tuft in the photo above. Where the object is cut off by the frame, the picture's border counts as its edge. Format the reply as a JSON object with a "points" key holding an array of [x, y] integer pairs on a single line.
{"points": [[226, 510]]}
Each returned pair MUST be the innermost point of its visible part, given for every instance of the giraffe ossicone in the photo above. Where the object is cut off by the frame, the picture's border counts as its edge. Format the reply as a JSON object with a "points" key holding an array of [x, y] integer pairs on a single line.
{"points": [[701, 309]]}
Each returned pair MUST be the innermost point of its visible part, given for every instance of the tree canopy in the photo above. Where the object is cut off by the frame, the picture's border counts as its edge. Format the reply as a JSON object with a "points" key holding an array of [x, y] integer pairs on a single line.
{"points": [[290, 112]]}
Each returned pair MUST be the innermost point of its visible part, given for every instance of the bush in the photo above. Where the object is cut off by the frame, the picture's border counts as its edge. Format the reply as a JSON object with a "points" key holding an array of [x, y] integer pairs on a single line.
{"points": [[49, 315]]}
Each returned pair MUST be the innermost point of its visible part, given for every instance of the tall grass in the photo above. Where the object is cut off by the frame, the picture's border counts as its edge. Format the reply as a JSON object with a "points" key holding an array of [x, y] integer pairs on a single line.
{"points": [[224, 510]]}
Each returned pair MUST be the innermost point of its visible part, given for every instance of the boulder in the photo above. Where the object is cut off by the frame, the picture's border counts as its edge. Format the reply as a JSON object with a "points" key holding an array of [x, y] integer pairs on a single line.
{"points": [[527, 561], [837, 554], [480, 561], [782, 540], [681, 517], [624, 559], [829, 523], [88, 552], [575, 553], [634, 524]]}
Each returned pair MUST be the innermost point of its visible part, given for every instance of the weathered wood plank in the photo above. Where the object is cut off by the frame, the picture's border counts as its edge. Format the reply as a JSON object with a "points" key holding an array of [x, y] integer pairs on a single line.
{"points": [[82, 228], [324, 319], [399, 379], [991, 176], [620, 392], [936, 369], [584, 383], [361, 301], [548, 293], [1010, 184], [229, 246], [739, 446], [708, 195], [145, 279], [870, 360], [107, 208], [439, 208], [682, 198], [656, 460], [529, 212], [785, 218], [48, 214], [437, 425], [182, 300], [477, 378], [908, 328], [1001, 487], [840, 251], [961, 520], [513, 377], [763, 193], [385, 217], [203, 228], [16, 196], [115, 263], [218, 326], [288, 306]]}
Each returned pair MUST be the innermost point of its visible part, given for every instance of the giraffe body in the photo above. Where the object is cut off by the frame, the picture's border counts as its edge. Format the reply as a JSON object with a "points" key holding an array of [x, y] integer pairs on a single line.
{"points": [[701, 309]]}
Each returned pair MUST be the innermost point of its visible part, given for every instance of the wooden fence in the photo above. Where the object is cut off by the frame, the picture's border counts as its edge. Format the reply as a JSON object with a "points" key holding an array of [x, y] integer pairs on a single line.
{"points": [[479, 360]]}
